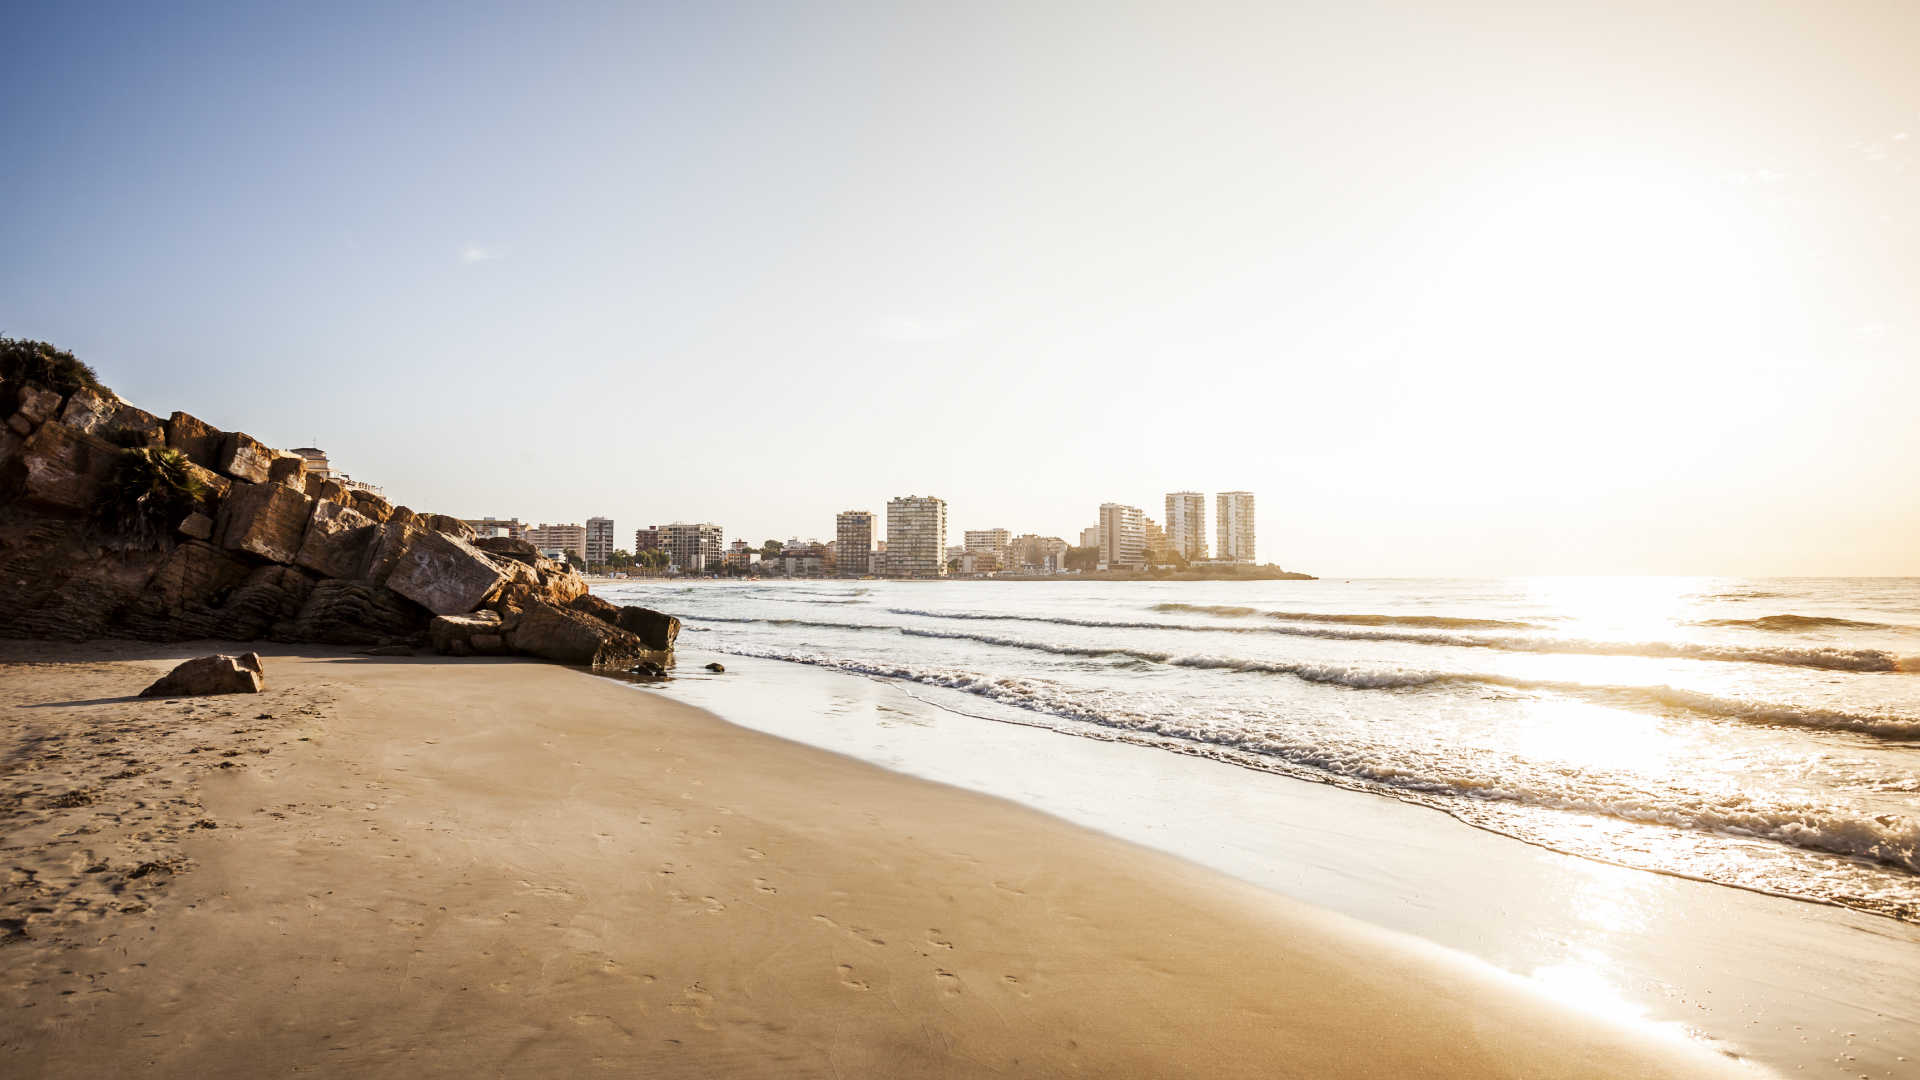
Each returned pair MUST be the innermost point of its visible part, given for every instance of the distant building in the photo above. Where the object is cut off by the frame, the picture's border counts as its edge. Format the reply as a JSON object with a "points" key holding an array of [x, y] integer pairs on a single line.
{"points": [[692, 547], [1187, 524], [1158, 550], [803, 559], [650, 538], [916, 537], [1123, 536], [853, 537], [599, 541], [511, 528], [1090, 537], [316, 460], [991, 542], [1037, 554], [1233, 522], [567, 538]]}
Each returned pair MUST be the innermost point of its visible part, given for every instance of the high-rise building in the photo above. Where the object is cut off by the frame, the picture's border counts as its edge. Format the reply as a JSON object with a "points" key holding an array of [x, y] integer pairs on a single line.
{"points": [[982, 543], [853, 540], [916, 536], [1158, 550], [1187, 524], [599, 541], [1233, 522], [1123, 536], [512, 528], [568, 538], [651, 538], [692, 547], [1090, 537]]}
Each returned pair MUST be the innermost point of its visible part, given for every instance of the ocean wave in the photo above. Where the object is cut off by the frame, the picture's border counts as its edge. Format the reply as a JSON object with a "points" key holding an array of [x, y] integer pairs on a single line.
{"points": [[1885, 839], [1793, 623], [1825, 658], [1430, 622]]}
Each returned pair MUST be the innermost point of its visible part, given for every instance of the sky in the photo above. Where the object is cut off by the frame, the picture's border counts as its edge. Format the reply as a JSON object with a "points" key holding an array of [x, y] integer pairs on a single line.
{"points": [[1455, 288]]}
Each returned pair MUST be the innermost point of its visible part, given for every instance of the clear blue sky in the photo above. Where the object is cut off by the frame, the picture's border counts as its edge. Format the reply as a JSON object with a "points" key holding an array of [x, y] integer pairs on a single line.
{"points": [[1454, 287]]}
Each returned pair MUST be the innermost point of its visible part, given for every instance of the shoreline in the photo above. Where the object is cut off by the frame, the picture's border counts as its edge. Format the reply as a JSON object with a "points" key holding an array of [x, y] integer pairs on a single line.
{"points": [[504, 866]]}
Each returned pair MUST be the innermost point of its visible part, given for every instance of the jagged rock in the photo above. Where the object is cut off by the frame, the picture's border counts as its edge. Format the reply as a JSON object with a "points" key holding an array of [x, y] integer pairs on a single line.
{"points": [[443, 574], [38, 405], [196, 525], [452, 526], [19, 425], [571, 637], [372, 505], [407, 517], [196, 438], [320, 487], [64, 468], [336, 541], [129, 426], [183, 598], [267, 604], [54, 584], [355, 613], [244, 457], [648, 668], [268, 520], [593, 605], [216, 486], [518, 550], [221, 674], [716, 667], [383, 553], [458, 635], [288, 469], [562, 586], [88, 410], [655, 629]]}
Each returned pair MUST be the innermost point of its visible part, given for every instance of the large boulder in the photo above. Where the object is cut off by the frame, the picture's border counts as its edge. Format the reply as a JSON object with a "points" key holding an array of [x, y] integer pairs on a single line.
{"points": [[452, 526], [268, 520], [38, 405], [212, 483], [63, 468], [244, 457], [129, 426], [443, 574], [289, 469], [220, 674], [88, 410], [518, 550], [320, 487], [371, 505], [356, 613], [196, 438], [655, 629], [570, 637], [464, 635], [336, 542]]}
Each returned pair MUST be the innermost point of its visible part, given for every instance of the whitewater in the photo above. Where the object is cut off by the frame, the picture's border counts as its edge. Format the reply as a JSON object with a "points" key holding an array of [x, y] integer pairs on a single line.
{"points": [[1763, 734]]}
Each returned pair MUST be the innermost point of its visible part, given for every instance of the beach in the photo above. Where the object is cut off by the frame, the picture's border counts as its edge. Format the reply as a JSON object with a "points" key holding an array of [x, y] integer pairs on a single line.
{"points": [[387, 866]]}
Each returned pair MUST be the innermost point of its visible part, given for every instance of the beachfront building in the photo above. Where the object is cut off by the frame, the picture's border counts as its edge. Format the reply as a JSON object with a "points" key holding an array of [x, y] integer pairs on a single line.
{"points": [[511, 528], [1090, 537], [916, 537], [984, 544], [599, 541], [1123, 537], [853, 539], [802, 559], [692, 547], [1187, 524], [568, 539], [651, 538], [1159, 552], [316, 461], [1233, 520], [1037, 554]]}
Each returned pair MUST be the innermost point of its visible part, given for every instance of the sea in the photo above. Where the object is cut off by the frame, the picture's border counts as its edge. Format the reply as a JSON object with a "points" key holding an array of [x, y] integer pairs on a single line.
{"points": [[1761, 734]]}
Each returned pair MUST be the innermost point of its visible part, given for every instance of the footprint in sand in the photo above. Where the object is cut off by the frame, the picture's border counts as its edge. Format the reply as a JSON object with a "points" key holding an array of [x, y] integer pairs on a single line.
{"points": [[754, 853], [934, 939], [847, 980], [760, 883], [695, 1002], [949, 982]]}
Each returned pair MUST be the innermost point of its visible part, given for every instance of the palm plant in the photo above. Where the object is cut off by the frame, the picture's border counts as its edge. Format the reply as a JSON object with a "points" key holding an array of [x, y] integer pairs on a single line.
{"points": [[151, 489]]}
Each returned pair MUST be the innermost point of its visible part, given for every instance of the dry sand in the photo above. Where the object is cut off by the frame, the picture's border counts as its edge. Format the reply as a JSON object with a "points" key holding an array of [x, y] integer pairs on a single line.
{"points": [[419, 867]]}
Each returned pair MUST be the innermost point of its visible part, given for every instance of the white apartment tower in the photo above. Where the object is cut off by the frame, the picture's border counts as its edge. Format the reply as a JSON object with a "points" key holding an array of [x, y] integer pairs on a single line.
{"points": [[1233, 513], [692, 547], [568, 538], [599, 541], [853, 542], [1123, 536], [916, 537], [1187, 524], [989, 542]]}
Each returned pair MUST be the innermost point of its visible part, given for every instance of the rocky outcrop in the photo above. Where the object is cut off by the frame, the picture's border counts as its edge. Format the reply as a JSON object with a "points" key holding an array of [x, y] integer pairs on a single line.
{"points": [[266, 551], [221, 674]]}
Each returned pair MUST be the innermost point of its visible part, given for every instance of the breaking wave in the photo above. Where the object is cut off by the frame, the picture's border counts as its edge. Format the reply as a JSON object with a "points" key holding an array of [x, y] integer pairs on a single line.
{"points": [[1794, 623], [1431, 622]]}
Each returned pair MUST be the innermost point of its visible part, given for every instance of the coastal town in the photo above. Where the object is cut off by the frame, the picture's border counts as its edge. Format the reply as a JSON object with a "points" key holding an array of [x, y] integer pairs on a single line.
{"points": [[910, 541]]}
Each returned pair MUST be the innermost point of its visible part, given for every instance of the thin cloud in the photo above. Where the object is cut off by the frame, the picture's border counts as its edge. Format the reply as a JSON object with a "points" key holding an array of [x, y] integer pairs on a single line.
{"points": [[474, 253]]}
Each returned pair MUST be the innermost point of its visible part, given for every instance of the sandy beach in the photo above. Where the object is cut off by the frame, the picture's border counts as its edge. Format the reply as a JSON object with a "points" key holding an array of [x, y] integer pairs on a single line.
{"points": [[397, 867]]}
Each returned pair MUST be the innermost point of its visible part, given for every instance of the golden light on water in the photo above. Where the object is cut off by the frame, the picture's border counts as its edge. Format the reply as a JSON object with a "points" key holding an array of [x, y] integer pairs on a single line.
{"points": [[1622, 608]]}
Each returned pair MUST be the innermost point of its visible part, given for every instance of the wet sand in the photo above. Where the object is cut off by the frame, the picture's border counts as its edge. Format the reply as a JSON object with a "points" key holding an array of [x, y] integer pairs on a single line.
{"points": [[405, 866]]}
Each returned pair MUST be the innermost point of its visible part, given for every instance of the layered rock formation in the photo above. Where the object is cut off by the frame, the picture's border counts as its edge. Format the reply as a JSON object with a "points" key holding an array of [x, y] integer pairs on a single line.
{"points": [[270, 552]]}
